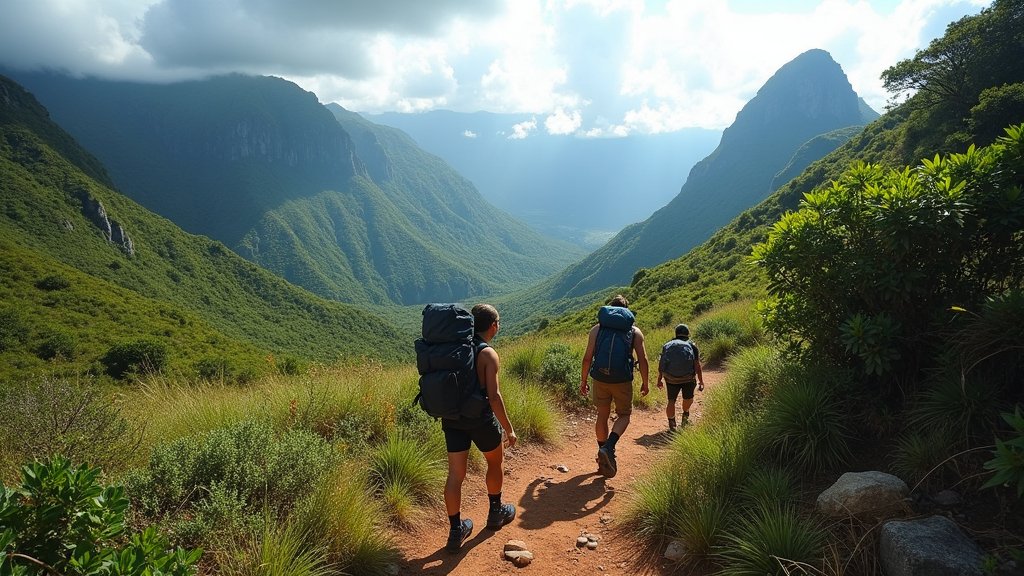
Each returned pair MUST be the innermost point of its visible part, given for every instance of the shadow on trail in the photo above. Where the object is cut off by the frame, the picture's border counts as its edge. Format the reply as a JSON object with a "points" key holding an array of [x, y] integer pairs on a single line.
{"points": [[548, 501], [659, 439], [443, 561]]}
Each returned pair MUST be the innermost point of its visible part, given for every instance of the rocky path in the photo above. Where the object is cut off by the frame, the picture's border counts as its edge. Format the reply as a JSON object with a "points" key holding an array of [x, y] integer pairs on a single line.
{"points": [[554, 507]]}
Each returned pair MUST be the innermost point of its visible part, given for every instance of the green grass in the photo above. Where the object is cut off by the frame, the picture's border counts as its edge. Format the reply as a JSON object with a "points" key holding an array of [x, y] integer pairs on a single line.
{"points": [[805, 423], [771, 540], [405, 475]]}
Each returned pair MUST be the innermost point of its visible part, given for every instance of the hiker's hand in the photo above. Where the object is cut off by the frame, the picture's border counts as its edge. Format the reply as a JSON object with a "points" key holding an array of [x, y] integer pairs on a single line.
{"points": [[644, 389], [510, 439], [661, 383], [700, 386], [584, 388]]}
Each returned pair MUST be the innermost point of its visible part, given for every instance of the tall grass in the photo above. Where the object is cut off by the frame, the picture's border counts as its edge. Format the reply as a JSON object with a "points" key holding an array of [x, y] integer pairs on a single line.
{"points": [[770, 540], [405, 475], [342, 517], [275, 551], [806, 423], [530, 410], [752, 374]]}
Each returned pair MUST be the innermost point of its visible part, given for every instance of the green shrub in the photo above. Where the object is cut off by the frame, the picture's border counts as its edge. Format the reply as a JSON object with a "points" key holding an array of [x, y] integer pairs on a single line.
{"points": [[13, 328], [560, 369], [716, 326], [805, 423], [53, 282], [715, 351], [215, 368], [63, 519], [771, 539], [248, 460], [965, 406], [56, 344], [50, 416], [1008, 457], [136, 356], [525, 363]]}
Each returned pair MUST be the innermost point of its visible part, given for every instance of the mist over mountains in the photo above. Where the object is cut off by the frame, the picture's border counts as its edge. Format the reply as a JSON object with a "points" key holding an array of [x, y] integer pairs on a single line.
{"points": [[562, 185]]}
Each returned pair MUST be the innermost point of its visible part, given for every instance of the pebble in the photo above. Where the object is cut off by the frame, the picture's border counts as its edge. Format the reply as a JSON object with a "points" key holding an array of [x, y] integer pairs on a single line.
{"points": [[563, 468], [582, 541], [592, 545]]}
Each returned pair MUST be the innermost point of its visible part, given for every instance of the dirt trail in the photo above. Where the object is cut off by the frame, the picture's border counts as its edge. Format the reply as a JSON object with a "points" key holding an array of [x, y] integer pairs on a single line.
{"points": [[554, 508]]}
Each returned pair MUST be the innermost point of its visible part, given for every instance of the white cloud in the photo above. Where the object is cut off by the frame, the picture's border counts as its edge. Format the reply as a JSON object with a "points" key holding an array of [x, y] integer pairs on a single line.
{"points": [[522, 129], [591, 67], [469, 134]]}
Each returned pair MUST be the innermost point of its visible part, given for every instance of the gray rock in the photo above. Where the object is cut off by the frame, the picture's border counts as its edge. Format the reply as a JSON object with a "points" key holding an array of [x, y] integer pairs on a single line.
{"points": [[519, 557], [591, 545], [863, 493], [675, 551], [932, 546], [563, 468], [581, 541]]}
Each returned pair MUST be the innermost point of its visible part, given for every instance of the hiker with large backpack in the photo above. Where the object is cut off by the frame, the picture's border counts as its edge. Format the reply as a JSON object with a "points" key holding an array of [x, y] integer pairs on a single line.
{"points": [[609, 362], [459, 385], [679, 368]]}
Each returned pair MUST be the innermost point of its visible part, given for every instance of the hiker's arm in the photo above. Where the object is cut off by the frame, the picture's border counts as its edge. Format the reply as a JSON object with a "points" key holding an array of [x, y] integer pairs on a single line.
{"points": [[491, 364], [641, 358], [700, 373], [588, 357]]}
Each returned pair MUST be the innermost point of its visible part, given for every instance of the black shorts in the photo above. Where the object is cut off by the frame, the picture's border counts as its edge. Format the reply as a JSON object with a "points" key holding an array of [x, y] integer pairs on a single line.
{"points": [[686, 389], [486, 435]]}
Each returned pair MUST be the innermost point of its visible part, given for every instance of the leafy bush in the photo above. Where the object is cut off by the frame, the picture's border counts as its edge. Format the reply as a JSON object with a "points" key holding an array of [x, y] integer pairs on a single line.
{"points": [[1008, 460], [247, 460], [13, 328], [51, 416], [53, 282], [136, 356], [60, 520], [215, 368], [716, 326], [560, 368], [56, 344], [864, 268]]}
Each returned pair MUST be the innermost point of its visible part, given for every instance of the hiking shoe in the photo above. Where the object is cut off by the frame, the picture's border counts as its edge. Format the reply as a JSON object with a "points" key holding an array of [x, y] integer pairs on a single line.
{"points": [[500, 516], [606, 463], [456, 536]]}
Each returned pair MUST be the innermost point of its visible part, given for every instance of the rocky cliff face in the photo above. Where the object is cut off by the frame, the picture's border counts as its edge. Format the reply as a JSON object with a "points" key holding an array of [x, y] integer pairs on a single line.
{"points": [[112, 230]]}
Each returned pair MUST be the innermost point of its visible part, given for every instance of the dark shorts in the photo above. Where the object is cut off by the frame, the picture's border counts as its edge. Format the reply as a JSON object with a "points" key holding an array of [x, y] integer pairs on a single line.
{"points": [[486, 435], [686, 389]]}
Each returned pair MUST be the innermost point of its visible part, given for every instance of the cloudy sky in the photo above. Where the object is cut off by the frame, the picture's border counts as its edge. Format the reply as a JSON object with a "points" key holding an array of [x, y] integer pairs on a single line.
{"points": [[583, 67]]}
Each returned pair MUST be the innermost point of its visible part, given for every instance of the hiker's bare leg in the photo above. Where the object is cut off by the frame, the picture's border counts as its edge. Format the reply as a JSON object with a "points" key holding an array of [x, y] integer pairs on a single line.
{"points": [[620, 424], [457, 463], [670, 410], [495, 474], [601, 426], [687, 404]]}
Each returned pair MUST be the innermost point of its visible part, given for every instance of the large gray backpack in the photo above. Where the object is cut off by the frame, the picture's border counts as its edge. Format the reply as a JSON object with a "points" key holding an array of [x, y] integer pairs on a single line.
{"points": [[677, 359]]}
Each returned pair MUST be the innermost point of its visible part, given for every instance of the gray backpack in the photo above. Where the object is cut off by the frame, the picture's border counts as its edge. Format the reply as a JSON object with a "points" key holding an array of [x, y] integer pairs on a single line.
{"points": [[677, 359]]}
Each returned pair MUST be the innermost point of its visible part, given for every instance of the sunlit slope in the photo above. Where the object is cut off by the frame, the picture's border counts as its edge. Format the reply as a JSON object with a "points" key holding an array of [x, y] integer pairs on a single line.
{"points": [[55, 217]]}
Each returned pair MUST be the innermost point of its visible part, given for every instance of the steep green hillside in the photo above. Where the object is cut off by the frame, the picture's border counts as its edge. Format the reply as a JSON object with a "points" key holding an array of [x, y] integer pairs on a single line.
{"points": [[807, 97], [260, 165], [989, 96], [90, 263]]}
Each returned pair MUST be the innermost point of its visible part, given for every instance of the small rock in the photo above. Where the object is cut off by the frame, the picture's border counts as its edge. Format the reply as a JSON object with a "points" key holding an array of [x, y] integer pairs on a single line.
{"points": [[606, 518], [391, 570], [515, 546], [593, 537], [519, 557], [947, 498], [591, 545], [581, 541], [601, 568], [675, 551], [563, 468]]}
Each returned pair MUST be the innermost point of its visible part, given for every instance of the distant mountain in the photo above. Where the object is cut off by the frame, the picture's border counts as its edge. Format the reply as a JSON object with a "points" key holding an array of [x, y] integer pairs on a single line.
{"points": [[259, 164], [84, 267], [561, 185], [807, 97]]}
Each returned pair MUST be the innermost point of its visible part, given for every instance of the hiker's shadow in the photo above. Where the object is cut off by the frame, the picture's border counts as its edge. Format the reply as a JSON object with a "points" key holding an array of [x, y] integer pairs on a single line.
{"points": [[442, 561], [548, 501], [655, 440]]}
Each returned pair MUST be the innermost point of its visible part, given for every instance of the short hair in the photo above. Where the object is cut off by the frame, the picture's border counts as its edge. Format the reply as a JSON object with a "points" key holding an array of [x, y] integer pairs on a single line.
{"points": [[682, 330], [484, 315], [619, 301]]}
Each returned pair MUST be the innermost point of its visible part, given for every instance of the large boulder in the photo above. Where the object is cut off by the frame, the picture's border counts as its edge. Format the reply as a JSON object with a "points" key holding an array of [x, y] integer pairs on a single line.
{"points": [[933, 546], [863, 493]]}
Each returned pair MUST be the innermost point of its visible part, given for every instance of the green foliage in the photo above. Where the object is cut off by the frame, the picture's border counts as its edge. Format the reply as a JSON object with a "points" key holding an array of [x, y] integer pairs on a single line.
{"points": [[1008, 457], [53, 282], [50, 416], [530, 411], [751, 376], [13, 328], [768, 486], [273, 551], [247, 461], [63, 519], [772, 539], [145, 356], [56, 345], [560, 369], [525, 362], [873, 260], [805, 424], [923, 455], [405, 473]]}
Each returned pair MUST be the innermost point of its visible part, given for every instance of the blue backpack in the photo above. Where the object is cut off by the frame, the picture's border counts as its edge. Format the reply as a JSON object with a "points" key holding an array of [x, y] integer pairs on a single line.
{"points": [[446, 361], [677, 358], [613, 351]]}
